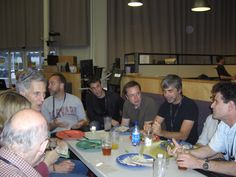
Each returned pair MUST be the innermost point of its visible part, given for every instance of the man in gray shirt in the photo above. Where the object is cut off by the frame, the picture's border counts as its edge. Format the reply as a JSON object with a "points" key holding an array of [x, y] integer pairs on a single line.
{"points": [[137, 106]]}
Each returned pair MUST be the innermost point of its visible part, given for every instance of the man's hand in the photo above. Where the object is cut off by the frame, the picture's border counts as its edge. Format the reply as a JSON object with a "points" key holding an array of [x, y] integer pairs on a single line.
{"points": [[80, 124], [114, 123], [189, 161], [173, 151], [58, 123], [65, 166], [147, 126], [156, 128]]}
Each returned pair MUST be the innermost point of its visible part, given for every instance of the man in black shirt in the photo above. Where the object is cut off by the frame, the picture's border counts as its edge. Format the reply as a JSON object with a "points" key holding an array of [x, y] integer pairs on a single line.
{"points": [[179, 112], [101, 103], [222, 72]]}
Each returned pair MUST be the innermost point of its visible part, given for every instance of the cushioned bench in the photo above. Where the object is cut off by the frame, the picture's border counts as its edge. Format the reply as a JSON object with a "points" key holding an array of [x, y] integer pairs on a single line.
{"points": [[203, 108]]}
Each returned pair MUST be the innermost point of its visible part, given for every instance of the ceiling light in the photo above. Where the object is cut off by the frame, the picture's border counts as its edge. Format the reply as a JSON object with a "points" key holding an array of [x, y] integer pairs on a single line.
{"points": [[135, 3], [200, 6]]}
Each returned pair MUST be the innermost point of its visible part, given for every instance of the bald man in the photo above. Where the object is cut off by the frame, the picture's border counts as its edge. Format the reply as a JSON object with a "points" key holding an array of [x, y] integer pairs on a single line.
{"points": [[24, 139]]}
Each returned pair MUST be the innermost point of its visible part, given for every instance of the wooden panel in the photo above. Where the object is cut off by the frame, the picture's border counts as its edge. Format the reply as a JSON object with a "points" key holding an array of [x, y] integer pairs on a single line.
{"points": [[74, 78], [195, 89]]}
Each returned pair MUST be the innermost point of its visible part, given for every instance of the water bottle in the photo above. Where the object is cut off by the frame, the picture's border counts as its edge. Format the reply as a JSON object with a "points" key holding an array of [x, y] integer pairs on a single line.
{"points": [[159, 166], [136, 135], [148, 138]]}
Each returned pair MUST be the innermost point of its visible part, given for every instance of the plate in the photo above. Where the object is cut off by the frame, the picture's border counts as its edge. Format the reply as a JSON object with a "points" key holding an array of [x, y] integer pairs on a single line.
{"points": [[89, 145], [70, 134], [126, 160]]}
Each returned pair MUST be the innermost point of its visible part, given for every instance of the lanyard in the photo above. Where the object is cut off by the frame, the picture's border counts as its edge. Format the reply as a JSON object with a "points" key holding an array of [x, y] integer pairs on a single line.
{"points": [[174, 114], [53, 109]]}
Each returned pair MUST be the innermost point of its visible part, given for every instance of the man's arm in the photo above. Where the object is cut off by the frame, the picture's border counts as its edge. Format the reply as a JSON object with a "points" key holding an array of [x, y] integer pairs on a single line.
{"points": [[183, 134], [125, 122], [80, 124], [195, 160]]}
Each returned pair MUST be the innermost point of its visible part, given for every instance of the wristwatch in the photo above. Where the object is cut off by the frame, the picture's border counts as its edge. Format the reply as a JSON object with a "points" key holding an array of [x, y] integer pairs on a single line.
{"points": [[205, 165]]}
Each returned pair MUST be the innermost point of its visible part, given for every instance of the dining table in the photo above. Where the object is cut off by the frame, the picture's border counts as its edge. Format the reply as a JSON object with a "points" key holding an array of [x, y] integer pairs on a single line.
{"points": [[108, 166]]}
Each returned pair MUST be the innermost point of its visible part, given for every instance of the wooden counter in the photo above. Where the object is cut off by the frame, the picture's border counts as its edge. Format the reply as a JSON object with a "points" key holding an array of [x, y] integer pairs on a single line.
{"points": [[192, 88], [74, 78]]}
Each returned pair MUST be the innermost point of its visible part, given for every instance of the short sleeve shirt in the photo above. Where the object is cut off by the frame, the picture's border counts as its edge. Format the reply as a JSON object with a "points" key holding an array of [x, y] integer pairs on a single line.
{"points": [[174, 115], [145, 112]]}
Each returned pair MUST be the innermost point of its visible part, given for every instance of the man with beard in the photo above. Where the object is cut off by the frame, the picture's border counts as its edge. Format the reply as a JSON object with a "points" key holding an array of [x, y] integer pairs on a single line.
{"points": [[63, 110], [179, 113]]}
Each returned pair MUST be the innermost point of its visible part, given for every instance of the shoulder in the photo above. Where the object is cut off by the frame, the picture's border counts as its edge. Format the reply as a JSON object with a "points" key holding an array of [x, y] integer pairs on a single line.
{"points": [[72, 97], [48, 99], [189, 101]]}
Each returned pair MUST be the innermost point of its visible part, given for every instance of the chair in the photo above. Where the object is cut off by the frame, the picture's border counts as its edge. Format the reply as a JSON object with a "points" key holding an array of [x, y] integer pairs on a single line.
{"points": [[113, 83]]}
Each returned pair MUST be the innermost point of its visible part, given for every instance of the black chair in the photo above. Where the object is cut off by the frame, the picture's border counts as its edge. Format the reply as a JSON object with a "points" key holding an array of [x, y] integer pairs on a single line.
{"points": [[113, 83]]}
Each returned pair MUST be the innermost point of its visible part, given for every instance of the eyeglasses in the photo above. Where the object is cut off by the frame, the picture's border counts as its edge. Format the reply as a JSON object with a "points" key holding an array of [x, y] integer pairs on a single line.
{"points": [[24, 76]]}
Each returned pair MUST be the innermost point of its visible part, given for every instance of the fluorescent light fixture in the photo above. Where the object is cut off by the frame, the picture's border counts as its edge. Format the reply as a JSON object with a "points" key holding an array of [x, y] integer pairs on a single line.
{"points": [[200, 6], [135, 3]]}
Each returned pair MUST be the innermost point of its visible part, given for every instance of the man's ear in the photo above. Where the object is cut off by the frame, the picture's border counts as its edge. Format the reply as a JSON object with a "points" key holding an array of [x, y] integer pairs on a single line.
{"points": [[232, 105], [43, 146]]}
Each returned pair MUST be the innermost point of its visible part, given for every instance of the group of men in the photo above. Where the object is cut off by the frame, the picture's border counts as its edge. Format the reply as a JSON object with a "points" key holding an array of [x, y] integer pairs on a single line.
{"points": [[179, 114]]}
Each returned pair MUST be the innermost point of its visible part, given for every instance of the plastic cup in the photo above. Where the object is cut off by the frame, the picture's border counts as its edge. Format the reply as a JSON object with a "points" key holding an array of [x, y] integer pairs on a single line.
{"points": [[115, 138], [181, 151], [106, 146], [107, 123]]}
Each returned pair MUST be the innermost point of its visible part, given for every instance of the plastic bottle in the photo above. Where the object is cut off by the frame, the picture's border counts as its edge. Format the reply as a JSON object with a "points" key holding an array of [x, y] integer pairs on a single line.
{"points": [[136, 135], [159, 166], [148, 138]]}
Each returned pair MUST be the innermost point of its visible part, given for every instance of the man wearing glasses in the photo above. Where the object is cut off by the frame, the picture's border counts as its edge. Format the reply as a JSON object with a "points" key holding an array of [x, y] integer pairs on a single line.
{"points": [[32, 85], [224, 139], [137, 106]]}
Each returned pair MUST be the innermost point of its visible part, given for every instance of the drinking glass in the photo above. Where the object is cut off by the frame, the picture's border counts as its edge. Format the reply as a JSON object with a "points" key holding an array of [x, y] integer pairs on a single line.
{"points": [[107, 123], [106, 146]]}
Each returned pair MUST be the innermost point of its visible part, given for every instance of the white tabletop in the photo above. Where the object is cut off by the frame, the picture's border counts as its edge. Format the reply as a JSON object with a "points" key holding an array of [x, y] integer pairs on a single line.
{"points": [[106, 166]]}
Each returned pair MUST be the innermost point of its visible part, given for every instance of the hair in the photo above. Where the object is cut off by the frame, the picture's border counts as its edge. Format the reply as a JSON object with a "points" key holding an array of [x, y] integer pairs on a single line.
{"points": [[93, 80], [171, 80], [10, 103], [62, 78], [227, 90], [23, 139], [25, 79], [129, 85], [218, 58]]}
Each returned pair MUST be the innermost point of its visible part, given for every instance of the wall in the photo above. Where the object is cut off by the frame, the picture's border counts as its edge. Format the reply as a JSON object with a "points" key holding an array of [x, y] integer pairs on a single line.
{"points": [[183, 70], [98, 42]]}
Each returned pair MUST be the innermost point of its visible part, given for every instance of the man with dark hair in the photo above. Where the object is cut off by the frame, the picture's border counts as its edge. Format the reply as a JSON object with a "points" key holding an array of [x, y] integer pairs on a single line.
{"points": [[101, 103], [24, 139], [179, 113], [224, 139], [222, 72], [63, 110], [137, 107]]}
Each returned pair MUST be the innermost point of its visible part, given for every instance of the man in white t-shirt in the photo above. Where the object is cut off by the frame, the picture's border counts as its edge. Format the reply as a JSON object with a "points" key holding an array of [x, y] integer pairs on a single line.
{"points": [[208, 131]]}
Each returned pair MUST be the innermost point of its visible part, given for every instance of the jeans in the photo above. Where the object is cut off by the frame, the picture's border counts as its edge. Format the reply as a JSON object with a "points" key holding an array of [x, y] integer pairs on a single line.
{"points": [[80, 170]]}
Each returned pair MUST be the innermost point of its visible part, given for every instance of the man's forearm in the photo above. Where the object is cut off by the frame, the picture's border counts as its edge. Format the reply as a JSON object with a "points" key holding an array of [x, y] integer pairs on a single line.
{"points": [[175, 135], [203, 152]]}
